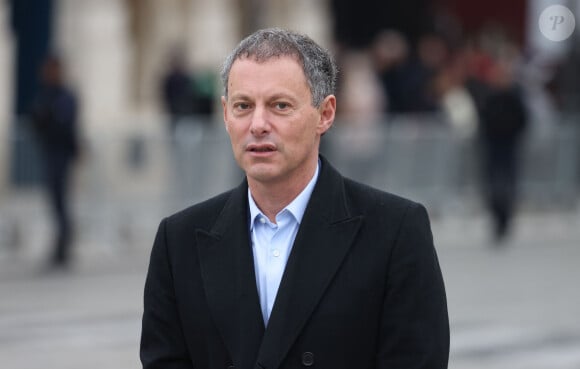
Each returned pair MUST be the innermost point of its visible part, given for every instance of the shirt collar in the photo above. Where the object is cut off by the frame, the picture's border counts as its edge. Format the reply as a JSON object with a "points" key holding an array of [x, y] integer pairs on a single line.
{"points": [[297, 207]]}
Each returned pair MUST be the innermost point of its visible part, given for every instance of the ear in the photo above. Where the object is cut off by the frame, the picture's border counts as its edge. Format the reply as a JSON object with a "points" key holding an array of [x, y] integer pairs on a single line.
{"points": [[327, 113], [225, 111]]}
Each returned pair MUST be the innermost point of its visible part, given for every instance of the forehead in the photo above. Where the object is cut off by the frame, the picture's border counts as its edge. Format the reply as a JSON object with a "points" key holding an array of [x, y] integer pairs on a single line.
{"points": [[283, 71], [271, 62]]}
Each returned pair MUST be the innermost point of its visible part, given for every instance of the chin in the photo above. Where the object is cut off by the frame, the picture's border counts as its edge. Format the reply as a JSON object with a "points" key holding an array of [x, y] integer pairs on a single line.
{"points": [[261, 172]]}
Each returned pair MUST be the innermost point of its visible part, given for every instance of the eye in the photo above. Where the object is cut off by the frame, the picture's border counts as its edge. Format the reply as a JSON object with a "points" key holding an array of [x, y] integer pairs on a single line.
{"points": [[281, 105], [241, 106]]}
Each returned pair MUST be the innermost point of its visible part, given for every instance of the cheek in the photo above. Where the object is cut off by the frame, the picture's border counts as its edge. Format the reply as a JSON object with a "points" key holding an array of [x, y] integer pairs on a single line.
{"points": [[235, 140], [307, 133], [235, 131]]}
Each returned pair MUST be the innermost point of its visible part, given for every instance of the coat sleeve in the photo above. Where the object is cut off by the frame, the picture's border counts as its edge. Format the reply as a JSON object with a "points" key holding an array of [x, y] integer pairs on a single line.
{"points": [[162, 341], [414, 332]]}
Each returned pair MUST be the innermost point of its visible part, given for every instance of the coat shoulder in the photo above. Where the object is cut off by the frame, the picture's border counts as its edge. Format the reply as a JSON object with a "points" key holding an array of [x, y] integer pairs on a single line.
{"points": [[201, 215], [368, 200]]}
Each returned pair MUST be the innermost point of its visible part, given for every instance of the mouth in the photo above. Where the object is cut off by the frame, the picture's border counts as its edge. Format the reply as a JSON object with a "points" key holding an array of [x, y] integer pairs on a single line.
{"points": [[261, 148]]}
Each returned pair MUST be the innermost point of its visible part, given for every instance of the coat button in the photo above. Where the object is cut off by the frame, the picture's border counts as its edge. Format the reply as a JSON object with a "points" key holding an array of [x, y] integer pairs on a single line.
{"points": [[308, 359]]}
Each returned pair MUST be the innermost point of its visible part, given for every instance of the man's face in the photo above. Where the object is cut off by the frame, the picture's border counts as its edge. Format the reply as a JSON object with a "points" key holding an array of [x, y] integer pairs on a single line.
{"points": [[273, 126]]}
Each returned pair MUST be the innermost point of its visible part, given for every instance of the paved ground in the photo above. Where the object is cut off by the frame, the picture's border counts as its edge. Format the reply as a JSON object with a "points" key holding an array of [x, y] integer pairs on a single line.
{"points": [[511, 307], [514, 307]]}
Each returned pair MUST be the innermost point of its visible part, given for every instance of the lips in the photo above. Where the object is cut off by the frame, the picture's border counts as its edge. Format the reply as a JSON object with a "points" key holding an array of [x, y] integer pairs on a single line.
{"points": [[259, 148]]}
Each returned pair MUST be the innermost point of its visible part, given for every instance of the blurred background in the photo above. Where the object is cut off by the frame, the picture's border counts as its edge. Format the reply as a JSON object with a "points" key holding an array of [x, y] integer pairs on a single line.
{"points": [[110, 119]]}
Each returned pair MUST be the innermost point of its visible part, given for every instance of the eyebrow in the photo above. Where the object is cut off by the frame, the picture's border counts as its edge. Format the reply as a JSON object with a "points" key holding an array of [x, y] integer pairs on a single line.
{"points": [[275, 96], [239, 96], [283, 96]]}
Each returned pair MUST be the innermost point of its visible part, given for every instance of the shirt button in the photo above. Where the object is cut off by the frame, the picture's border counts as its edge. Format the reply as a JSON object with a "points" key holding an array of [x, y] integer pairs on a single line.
{"points": [[262, 220], [276, 253]]}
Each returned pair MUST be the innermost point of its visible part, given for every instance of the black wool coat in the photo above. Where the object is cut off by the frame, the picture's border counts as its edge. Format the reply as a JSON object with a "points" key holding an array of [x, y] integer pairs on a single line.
{"points": [[362, 287]]}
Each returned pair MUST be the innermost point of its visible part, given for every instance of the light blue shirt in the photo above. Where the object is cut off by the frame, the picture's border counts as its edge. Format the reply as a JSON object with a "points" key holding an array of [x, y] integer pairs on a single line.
{"points": [[272, 243]]}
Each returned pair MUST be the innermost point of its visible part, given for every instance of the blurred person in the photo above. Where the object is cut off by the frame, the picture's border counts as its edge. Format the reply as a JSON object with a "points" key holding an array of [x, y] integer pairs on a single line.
{"points": [[391, 55], [503, 121], [188, 101], [186, 95], [407, 73], [455, 100], [54, 119], [297, 265], [361, 115], [460, 112], [389, 52], [563, 86], [361, 93], [433, 55], [177, 90], [203, 94], [479, 64]]}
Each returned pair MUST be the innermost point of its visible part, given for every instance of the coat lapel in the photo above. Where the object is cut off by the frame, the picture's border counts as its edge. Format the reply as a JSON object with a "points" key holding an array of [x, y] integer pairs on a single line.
{"points": [[323, 240], [227, 269]]}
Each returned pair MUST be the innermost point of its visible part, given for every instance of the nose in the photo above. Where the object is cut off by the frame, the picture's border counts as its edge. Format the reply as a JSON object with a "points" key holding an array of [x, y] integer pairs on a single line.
{"points": [[260, 125]]}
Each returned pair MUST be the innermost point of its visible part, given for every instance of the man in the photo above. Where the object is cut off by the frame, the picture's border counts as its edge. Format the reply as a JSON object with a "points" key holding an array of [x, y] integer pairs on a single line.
{"points": [[54, 119], [503, 121], [297, 266]]}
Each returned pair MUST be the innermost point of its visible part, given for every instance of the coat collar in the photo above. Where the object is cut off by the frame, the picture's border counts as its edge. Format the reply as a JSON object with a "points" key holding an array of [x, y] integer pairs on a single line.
{"points": [[227, 268], [324, 237]]}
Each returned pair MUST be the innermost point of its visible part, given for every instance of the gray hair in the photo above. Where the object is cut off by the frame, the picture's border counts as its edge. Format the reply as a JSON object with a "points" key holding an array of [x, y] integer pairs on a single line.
{"points": [[317, 63]]}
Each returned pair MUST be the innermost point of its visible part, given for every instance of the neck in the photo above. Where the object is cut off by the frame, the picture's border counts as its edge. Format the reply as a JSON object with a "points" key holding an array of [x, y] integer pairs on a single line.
{"points": [[272, 197]]}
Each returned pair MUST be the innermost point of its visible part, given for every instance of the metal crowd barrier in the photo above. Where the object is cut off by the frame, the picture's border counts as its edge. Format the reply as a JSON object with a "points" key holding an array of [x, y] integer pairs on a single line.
{"points": [[138, 177]]}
